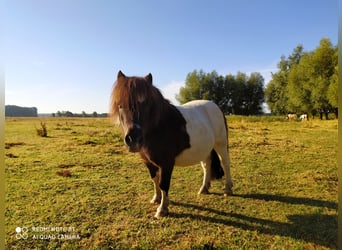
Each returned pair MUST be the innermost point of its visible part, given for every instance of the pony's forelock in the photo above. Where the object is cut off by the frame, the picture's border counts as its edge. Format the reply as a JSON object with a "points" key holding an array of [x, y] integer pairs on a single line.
{"points": [[130, 92]]}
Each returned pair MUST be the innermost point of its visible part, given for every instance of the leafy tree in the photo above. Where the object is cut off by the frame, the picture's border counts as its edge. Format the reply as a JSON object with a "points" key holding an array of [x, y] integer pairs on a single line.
{"points": [[254, 96], [233, 94], [306, 82], [275, 92], [333, 88], [239, 90], [332, 92], [318, 68], [68, 114], [215, 89], [192, 89], [295, 57], [298, 87], [323, 68]]}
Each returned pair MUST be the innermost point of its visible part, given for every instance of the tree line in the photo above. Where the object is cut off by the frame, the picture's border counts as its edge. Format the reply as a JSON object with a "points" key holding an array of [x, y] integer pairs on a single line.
{"points": [[235, 94], [306, 82], [17, 111], [83, 114]]}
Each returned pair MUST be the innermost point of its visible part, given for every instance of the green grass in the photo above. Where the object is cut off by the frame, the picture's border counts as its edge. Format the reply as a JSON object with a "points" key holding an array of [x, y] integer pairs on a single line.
{"points": [[81, 177]]}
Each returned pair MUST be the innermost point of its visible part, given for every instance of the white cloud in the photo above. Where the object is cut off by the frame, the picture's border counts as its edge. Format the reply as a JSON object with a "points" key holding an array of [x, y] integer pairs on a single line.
{"points": [[170, 91]]}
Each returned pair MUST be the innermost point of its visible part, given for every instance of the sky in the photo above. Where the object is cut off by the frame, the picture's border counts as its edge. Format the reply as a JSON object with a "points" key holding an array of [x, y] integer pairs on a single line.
{"points": [[63, 55]]}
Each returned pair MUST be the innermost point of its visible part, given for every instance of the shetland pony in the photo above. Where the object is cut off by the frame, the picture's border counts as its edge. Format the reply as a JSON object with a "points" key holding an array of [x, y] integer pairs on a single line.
{"points": [[166, 135]]}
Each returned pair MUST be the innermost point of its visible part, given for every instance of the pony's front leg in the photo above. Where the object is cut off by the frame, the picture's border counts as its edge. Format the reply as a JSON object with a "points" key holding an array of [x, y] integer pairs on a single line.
{"points": [[157, 192], [163, 209], [155, 175], [165, 178]]}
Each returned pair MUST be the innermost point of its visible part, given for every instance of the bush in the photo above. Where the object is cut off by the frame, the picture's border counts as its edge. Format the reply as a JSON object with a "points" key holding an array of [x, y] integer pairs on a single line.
{"points": [[42, 131]]}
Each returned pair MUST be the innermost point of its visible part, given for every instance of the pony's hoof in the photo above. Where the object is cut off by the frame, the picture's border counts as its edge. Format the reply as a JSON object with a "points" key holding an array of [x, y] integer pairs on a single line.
{"points": [[228, 193], [155, 201], [161, 214], [203, 190]]}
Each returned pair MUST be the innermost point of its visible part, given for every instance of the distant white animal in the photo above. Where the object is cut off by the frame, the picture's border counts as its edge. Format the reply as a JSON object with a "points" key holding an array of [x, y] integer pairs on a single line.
{"points": [[303, 117], [291, 117]]}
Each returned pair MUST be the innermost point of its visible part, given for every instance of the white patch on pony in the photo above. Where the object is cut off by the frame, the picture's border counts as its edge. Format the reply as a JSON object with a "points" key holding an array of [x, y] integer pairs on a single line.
{"points": [[205, 125], [157, 192], [163, 210]]}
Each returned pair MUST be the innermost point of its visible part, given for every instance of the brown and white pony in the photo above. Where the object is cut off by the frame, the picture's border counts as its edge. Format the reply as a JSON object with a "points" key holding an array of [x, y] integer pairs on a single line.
{"points": [[166, 135]]}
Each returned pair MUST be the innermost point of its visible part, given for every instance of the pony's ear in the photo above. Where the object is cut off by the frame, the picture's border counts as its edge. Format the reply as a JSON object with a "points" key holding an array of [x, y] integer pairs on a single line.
{"points": [[120, 74], [148, 78]]}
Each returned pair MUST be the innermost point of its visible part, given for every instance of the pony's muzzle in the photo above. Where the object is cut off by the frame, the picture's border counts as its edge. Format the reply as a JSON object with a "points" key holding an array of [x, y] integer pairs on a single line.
{"points": [[133, 138]]}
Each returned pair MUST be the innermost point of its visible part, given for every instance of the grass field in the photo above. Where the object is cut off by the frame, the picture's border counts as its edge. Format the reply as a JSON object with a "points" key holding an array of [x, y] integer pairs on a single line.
{"points": [[79, 188]]}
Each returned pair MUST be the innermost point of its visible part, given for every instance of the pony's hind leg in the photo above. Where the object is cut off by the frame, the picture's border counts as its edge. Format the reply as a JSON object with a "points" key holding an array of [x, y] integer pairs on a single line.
{"points": [[206, 165], [225, 161]]}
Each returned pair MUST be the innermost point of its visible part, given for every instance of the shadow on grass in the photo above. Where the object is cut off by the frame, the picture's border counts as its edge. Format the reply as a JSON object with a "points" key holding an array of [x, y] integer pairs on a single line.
{"points": [[317, 228], [290, 200]]}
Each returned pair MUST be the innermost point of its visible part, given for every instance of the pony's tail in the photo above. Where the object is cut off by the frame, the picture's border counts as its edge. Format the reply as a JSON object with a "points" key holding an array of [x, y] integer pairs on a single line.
{"points": [[216, 168]]}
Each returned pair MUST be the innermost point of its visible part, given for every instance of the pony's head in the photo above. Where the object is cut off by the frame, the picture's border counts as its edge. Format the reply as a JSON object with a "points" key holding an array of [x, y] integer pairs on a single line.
{"points": [[137, 105]]}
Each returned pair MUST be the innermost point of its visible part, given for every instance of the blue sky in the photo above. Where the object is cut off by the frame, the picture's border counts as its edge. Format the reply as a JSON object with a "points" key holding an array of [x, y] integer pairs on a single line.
{"points": [[65, 55]]}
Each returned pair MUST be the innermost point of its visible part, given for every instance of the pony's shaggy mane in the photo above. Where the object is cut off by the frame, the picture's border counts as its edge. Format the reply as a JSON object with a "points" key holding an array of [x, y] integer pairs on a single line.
{"points": [[132, 92]]}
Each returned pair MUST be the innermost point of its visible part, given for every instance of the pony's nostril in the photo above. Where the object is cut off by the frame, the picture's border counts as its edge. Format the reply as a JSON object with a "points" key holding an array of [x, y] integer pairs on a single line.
{"points": [[128, 140], [134, 137]]}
